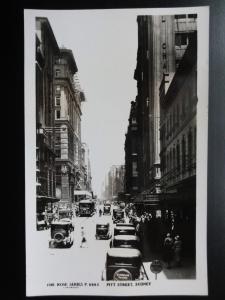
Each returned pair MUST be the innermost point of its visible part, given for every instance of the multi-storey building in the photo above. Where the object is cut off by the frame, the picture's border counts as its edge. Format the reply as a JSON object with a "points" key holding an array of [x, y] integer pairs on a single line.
{"points": [[85, 168], [131, 177], [68, 146], [178, 131], [178, 145], [115, 182], [46, 49], [162, 41]]}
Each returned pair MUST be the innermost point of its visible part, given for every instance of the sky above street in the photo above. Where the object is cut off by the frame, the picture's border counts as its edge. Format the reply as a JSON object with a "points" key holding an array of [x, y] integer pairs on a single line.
{"points": [[104, 44]]}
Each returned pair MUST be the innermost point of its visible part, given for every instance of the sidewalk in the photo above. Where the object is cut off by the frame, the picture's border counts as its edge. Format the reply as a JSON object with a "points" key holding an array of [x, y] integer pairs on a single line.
{"points": [[186, 271]]}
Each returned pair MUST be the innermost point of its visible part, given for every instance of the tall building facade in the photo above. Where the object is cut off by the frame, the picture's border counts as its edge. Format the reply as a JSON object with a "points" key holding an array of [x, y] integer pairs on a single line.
{"points": [[114, 184], [86, 169], [162, 41], [68, 100], [178, 126], [178, 131], [46, 50]]}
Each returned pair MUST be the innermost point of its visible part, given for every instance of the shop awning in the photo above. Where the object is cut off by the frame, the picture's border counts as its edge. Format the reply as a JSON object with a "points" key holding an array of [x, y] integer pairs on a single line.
{"points": [[47, 199], [82, 192]]}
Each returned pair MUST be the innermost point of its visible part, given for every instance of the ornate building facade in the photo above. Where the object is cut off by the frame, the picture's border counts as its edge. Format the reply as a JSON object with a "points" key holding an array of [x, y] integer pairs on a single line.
{"points": [[46, 49], [68, 100]]}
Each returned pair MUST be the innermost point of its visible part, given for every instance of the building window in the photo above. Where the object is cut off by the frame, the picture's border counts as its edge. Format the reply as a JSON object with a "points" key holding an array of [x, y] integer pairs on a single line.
{"points": [[190, 149], [58, 153], [58, 114], [178, 157], [178, 114], [57, 72], [174, 159], [181, 39], [134, 169], [57, 100], [183, 154]]}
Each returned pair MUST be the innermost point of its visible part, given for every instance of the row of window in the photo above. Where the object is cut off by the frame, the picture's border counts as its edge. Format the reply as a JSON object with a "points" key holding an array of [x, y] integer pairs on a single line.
{"points": [[180, 156], [177, 116], [71, 112]]}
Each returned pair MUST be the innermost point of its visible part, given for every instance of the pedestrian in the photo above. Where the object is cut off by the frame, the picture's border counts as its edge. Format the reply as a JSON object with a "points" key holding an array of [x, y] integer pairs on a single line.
{"points": [[168, 250], [83, 238], [177, 247], [100, 212]]}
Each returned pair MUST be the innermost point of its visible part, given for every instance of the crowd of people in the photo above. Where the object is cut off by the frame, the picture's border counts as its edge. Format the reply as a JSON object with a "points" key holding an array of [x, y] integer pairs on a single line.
{"points": [[158, 235]]}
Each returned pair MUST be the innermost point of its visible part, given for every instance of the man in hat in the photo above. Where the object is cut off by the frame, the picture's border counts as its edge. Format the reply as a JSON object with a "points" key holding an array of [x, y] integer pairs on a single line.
{"points": [[83, 238], [168, 250], [177, 247]]}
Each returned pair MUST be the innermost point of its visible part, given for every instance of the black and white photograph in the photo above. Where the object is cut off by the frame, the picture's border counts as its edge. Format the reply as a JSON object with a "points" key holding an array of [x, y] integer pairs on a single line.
{"points": [[116, 116]]}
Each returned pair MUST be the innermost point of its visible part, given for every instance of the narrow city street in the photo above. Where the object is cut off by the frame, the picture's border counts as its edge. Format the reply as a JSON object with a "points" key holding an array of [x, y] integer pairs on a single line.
{"points": [[86, 264]]}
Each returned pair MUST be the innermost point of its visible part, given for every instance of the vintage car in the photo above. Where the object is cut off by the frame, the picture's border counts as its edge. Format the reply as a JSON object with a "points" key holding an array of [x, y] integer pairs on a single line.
{"points": [[62, 232], [107, 209], [123, 264], [86, 208], [123, 230], [103, 231], [118, 216], [125, 241], [65, 213]]}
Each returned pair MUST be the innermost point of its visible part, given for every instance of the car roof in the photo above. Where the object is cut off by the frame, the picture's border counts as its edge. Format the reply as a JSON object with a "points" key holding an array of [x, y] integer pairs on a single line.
{"points": [[126, 237], [64, 220], [103, 223], [124, 228], [125, 225], [123, 252], [85, 201], [61, 222]]}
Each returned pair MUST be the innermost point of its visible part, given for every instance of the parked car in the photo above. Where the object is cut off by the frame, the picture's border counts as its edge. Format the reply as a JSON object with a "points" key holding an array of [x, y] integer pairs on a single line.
{"points": [[125, 241], [62, 233], [123, 264], [123, 230], [103, 231]]}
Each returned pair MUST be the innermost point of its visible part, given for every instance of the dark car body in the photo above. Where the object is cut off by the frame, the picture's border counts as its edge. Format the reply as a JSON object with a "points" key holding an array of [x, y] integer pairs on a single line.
{"points": [[65, 213], [123, 264], [107, 209], [86, 208], [125, 241], [103, 231], [123, 230], [61, 233]]}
